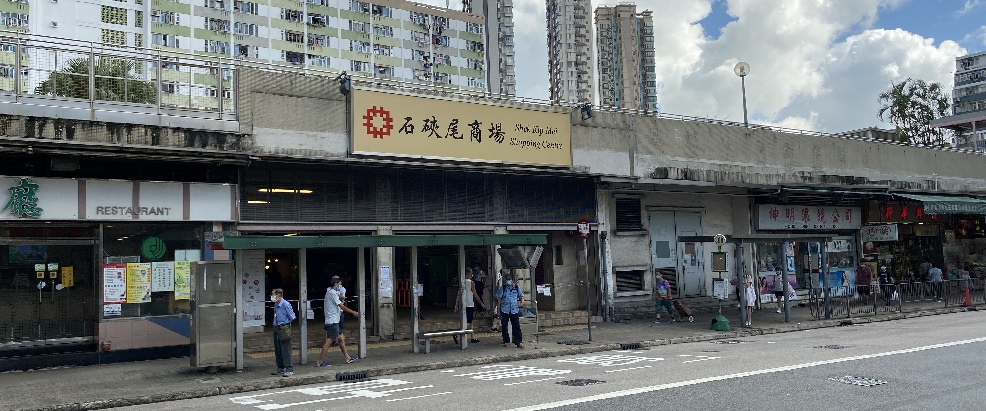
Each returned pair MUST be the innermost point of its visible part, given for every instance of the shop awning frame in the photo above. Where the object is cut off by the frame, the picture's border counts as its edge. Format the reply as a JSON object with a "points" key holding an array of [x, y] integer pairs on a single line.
{"points": [[938, 204], [248, 242]]}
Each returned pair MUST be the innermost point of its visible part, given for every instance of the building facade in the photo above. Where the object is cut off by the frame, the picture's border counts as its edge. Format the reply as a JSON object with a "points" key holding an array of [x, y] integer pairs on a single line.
{"points": [[570, 76], [968, 118], [386, 39], [626, 58], [499, 17]]}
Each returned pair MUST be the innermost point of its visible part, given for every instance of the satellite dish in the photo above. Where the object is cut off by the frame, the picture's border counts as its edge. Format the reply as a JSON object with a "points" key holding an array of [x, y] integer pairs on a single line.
{"points": [[742, 69]]}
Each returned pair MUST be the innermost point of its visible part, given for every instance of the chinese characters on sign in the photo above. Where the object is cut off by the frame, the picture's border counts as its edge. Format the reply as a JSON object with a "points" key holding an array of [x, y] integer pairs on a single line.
{"points": [[23, 201], [803, 217], [406, 126], [887, 232], [114, 288], [138, 283]]}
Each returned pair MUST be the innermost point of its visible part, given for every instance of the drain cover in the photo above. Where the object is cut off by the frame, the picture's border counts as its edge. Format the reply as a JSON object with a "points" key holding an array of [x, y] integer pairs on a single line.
{"points": [[709, 351], [858, 381], [351, 376], [573, 342], [833, 346], [630, 346], [580, 382], [729, 342]]}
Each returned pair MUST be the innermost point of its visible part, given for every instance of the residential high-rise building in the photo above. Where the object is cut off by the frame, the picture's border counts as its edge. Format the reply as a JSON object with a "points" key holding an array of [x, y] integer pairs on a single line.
{"points": [[968, 118], [395, 39], [499, 18], [626, 57], [570, 75]]}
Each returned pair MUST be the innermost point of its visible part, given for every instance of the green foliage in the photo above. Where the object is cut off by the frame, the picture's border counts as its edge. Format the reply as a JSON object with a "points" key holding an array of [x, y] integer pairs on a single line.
{"points": [[911, 105], [114, 78]]}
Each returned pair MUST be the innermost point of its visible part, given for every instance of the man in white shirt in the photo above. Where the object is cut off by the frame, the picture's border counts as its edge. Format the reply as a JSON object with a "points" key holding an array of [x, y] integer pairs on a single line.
{"points": [[334, 308]]}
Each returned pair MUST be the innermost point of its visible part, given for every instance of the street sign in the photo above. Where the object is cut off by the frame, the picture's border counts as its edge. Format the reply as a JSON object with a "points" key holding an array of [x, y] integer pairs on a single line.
{"points": [[583, 229]]}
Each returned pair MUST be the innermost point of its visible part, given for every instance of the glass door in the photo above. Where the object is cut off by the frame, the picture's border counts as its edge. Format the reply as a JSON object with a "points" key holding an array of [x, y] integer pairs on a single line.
{"points": [[49, 292]]}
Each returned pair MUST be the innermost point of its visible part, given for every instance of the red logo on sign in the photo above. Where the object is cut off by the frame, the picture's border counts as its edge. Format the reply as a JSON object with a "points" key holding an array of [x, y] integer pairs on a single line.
{"points": [[370, 119]]}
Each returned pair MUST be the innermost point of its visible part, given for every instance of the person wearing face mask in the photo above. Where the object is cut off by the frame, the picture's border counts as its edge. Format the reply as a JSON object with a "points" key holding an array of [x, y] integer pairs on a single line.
{"points": [[509, 297], [283, 316]]}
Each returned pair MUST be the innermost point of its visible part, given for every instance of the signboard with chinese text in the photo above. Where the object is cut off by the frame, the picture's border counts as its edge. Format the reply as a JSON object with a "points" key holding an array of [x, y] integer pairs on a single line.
{"points": [[254, 287], [885, 232], [409, 126], [163, 276], [183, 280], [803, 217], [114, 200]]}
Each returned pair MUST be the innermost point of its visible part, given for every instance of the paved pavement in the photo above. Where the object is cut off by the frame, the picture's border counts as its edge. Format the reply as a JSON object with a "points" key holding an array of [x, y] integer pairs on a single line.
{"points": [[114, 385]]}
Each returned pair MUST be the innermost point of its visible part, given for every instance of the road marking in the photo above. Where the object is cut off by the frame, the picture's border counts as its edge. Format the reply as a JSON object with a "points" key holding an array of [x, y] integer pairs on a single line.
{"points": [[610, 360], [631, 368], [525, 382], [499, 372], [341, 391], [652, 388], [698, 358], [420, 396]]}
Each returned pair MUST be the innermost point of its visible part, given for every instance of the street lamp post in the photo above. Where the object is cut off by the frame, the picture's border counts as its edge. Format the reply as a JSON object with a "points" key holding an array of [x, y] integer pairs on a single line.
{"points": [[742, 69]]}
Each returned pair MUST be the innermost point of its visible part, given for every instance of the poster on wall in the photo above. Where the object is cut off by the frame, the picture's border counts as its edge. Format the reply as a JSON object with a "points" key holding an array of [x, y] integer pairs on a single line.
{"points": [[162, 276], [138, 283], [183, 280], [254, 287], [110, 310], [386, 291], [114, 283], [770, 283], [68, 276]]}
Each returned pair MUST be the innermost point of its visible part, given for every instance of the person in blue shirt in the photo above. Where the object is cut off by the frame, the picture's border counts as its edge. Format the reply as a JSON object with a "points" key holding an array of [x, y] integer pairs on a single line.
{"points": [[509, 297], [283, 316]]}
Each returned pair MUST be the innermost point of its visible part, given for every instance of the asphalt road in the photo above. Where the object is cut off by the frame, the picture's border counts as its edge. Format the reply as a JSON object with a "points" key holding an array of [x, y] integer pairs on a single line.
{"points": [[930, 362]]}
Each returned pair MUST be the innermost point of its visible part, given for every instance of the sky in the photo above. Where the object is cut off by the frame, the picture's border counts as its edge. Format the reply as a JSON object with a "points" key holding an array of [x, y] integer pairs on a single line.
{"points": [[814, 64]]}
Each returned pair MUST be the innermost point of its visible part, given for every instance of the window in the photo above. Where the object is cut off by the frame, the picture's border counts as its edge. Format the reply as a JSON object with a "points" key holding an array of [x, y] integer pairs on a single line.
{"points": [[559, 260], [138, 18], [382, 50], [245, 29], [218, 4], [318, 20], [293, 58], [246, 7], [167, 40], [165, 17], [294, 36], [292, 15], [318, 61], [359, 46], [219, 25], [318, 40], [363, 66], [358, 27], [114, 37], [383, 31], [630, 280], [382, 11], [138, 40], [220, 47], [113, 15], [443, 78], [628, 215]]}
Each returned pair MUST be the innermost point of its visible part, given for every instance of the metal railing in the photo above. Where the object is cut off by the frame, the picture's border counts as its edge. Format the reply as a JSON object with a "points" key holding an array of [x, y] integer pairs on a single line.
{"points": [[69, 73], [852, 301]]}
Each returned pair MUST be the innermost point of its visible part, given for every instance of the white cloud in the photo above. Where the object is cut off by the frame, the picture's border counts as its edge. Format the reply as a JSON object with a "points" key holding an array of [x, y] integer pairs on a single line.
{"points": [[969, 6]]}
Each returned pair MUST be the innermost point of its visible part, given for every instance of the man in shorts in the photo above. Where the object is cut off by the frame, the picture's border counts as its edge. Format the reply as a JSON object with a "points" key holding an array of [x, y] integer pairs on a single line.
{"points": [[334, 308], [864, 278]]}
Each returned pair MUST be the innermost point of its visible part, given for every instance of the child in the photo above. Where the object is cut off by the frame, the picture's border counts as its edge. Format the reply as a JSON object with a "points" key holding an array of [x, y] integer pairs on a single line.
{"points": [[751, 299]]}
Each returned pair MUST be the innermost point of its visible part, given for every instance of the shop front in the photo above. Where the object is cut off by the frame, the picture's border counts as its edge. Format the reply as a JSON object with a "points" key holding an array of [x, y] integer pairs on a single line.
{"points": [[801, 262], [93, 264]]}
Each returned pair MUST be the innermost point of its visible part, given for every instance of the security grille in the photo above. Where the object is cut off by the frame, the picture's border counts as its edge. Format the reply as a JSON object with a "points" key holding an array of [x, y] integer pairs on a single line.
{"points": [[333, 194]]}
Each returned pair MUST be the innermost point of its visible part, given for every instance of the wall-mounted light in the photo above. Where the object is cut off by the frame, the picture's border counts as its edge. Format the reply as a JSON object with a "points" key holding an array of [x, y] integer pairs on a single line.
{"points": [[256, 202], [284, 191]]}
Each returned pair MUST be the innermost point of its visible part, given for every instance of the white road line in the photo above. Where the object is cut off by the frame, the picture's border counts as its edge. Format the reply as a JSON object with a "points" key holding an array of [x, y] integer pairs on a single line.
{"points": [[631, 368], [652, 388], [420, 396], [525, 382]]}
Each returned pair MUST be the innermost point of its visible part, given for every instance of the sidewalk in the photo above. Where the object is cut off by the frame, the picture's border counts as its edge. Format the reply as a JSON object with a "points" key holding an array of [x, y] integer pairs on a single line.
{"points": [[124, 384]]}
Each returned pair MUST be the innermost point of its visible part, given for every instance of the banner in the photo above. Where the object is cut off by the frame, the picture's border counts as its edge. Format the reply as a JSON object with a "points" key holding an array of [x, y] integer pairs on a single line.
{"points": [[114, 283], [183, 280], [138, 283], [254, 287], [420, 127]]}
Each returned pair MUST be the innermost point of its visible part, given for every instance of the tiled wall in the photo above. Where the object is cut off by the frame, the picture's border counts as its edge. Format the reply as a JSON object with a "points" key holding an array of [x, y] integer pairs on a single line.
{"points": [[125, 334]]}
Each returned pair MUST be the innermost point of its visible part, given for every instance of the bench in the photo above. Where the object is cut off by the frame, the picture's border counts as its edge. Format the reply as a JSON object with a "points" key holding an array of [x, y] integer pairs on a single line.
{"points": [[427, 336]]}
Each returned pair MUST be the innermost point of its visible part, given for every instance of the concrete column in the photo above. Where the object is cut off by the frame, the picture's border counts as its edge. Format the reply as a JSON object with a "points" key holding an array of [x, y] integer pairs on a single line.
{"points": [[386, 316], [606, 276], [494, 278], [302, 304]]}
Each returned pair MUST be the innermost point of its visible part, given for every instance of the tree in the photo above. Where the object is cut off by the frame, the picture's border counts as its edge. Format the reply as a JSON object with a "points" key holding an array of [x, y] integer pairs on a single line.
{"points": [[911, 105], [114, 78]]}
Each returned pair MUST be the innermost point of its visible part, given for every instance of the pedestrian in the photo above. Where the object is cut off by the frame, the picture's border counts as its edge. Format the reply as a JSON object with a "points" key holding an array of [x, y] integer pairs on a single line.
{"points": [[509, 298], [935, 278], [471, 298], [342, 297], [283, 316], [662, 298], [779, 290], [334, 309], [496, 306], [886, 284], [864, 278], [479, 278], [751, 299], [924, 270]]}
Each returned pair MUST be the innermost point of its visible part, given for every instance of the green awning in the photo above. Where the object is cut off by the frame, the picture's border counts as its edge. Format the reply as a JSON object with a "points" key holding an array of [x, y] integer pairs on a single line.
{"points": [[948, 204], [351, 241]]}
